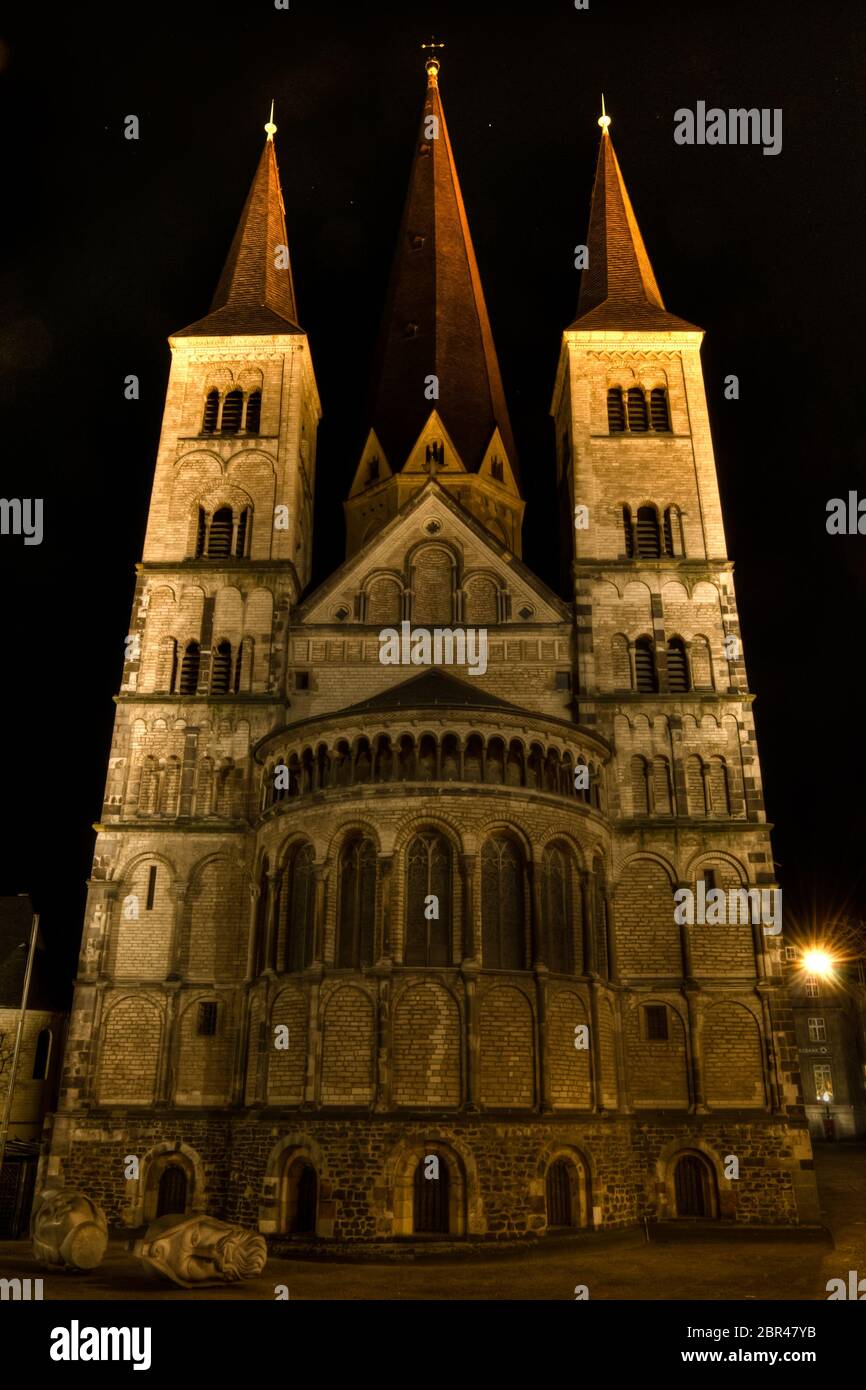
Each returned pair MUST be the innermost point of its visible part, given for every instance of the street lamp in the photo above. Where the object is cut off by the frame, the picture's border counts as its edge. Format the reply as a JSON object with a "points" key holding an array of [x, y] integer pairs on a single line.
{"points": [[829, 1126]]}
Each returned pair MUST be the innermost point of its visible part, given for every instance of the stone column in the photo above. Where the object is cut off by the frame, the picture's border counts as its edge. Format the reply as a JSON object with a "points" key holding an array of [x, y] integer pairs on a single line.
{"points": [[473, 1038], [612, 952], [383, 1044], [270, 921], [386, 865], [587, 896], [253, 931], [595, 1048], [166, 1069], [543, 1040], [539, 943], [175, 952], [699, 1101], [686, 943], [320, 874]]}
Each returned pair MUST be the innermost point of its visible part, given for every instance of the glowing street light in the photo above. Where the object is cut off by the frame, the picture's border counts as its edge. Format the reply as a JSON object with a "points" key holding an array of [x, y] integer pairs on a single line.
{"points": [[819, 963]]}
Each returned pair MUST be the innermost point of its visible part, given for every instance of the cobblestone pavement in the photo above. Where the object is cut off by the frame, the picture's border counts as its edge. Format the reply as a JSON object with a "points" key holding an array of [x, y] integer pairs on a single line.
{"points": [[622, 1266]]}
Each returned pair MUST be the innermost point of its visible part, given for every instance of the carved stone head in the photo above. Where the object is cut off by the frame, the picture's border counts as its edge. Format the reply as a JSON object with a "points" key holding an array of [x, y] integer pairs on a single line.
{"points": [[196, 1250], [68, 1229]]}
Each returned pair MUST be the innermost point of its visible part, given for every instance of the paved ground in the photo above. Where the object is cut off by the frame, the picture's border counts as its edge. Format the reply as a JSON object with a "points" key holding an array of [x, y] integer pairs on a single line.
{"points": [[616, 1267]]}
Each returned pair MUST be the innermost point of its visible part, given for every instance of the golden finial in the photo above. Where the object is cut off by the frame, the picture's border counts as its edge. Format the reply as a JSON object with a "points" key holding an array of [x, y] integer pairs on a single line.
{"points": [[432, 65], [604, 118], [270, 127]]}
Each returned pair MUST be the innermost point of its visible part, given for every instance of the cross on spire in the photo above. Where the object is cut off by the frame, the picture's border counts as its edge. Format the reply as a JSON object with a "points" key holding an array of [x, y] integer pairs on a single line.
{"points": [[432, 64]]}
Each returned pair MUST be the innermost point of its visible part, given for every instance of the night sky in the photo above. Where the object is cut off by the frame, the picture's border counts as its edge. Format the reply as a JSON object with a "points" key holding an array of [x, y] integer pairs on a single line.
{"points": [[113, 244]]}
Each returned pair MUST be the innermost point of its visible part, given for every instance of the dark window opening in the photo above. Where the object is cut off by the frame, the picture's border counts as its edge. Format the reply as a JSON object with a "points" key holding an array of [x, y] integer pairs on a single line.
{"points": [[656, 1016], [563, 680], [302, 680], [189, 669], [615, 411], [648, 540], [243, 529], [221, 669], [40, 1058], [637, 412], [172, 1196], [628, 531], [678, 667], [232, 407], [151, 888], [659, 409], [201, 525], [645, 666], [430, 1199], [558, 1184], [211, 412], [497, 470], [254, 412], [207, 1019]]}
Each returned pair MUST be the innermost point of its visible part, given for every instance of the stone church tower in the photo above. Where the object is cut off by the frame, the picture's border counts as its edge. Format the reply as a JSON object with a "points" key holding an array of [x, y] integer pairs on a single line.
{"points": [[378, 950]]}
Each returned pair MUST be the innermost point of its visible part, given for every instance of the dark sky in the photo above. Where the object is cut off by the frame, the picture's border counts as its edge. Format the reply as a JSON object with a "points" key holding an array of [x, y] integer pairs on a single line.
{"points": [[112, 244]]}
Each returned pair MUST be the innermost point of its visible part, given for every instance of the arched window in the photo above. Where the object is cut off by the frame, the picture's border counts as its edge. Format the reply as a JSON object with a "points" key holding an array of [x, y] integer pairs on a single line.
{"points": [[558, 1194], [232, 407], [615, 410], [637, 412], [620, 664], [599, 916], [148, 788], [430, 1215], [556, 909], [639, 786], [659, 409], [221, 669], [262, 918], [648, 539], [357, 912], [219, 543], [189, 669], [695, 789], [241, 544], [41, 1055], [702, 666], [211, 412], [254, 412], [170, 788], [502, 905], [428, 923], [433, 586], [298, 899], [628, 530], [678, 667], [200, 530], [645, 666]]}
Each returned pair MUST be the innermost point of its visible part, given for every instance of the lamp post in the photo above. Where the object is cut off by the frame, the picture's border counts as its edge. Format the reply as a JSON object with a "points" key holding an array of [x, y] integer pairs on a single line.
{"points": [[829, 1122]]}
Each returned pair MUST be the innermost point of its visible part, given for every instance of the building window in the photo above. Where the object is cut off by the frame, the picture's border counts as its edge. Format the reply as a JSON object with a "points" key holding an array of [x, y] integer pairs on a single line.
{"points": [[790, 953], [151, 888], [302, 680], [711, 879], [678, 667], [42, 1054], [207, 1019], [298, 893], [189, 669], [659, 409], [211, 412], [502, 905], [646, 679], [813, 987], [428, 874], [615, 411], [219, 544], [648, 539], [232, 408], [357, 914], [656, 1022], [563, 680], [243, 533], [254, 412], [496, 470], [637, 413], [221, 670], [556, 910], [629, 533], [823, 1075], [201, 526], [817, 1030]]}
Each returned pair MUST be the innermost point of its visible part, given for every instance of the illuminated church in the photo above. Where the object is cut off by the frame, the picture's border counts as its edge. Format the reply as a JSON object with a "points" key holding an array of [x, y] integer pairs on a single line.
{"points": [[349, 917]]}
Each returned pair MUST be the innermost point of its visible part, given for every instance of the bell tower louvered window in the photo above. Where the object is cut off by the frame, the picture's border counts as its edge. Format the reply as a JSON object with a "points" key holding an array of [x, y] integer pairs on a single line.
{"points": [[243, 532], [556, 906], [189, 669], [232, 408], [253, 417], [615, 411], [646, 679], [200, 531], [221, 669], [668, 532], [659, 409], [357, 904], [678, 667], [219, 545], [648, 539], [428, 873], [637, 412], [628, 532], [502, 905], [211, 412]]}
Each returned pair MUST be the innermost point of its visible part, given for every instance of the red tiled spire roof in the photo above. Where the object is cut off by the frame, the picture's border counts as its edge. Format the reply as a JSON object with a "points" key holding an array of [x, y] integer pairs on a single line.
{"points": [[435, 321], [618, 288], [253, 295]]}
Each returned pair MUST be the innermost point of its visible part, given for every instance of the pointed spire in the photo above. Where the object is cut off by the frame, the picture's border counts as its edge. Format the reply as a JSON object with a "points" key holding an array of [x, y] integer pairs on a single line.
{"points": [[618, 289], [255, 293], [435, 322]]}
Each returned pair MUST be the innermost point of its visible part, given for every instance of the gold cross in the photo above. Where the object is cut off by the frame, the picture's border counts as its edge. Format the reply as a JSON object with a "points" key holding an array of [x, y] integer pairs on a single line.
{"points": [[432, 63], [432, 43]]}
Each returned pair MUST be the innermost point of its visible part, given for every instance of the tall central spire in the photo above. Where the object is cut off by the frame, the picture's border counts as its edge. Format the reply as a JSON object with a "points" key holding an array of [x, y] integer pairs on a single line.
{"points": [[256, 293], [618, 288], [435, 322]]}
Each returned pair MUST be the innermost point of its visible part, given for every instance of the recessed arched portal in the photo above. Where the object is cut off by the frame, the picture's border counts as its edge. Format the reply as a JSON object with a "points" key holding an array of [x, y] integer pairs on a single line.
{"points": [[299, 1199], [173, 1191], [695, 1187], [567, 1193], [430, 1206]]}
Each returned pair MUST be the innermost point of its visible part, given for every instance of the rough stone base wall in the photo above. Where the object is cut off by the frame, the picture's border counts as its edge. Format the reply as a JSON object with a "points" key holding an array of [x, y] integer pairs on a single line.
{"points": [[498, 1167]]}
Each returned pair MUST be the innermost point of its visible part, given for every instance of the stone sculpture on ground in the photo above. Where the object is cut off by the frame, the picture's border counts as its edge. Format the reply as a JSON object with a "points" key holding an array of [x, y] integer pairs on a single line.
{"points": [[193, 1251], [68, 1230]]}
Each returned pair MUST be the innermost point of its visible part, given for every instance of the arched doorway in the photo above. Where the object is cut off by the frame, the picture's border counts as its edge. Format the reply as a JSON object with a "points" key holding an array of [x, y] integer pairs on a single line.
{"points": [[694, 1187], [300, 1198], [567, 1193], [430, 1197], [172, 1192]]}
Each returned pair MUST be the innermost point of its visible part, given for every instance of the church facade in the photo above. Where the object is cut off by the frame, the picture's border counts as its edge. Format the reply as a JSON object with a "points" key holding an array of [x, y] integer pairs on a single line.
{"points": [[379, 949]]}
